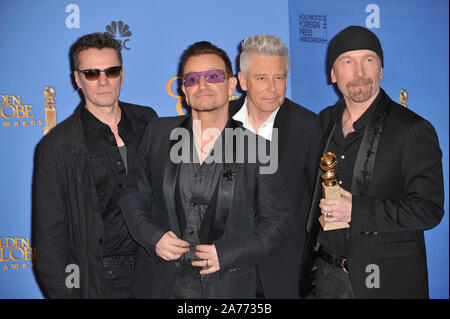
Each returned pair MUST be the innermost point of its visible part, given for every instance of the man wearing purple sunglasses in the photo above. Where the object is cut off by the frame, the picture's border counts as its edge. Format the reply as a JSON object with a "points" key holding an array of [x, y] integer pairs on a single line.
{"points": [[205, 221]]}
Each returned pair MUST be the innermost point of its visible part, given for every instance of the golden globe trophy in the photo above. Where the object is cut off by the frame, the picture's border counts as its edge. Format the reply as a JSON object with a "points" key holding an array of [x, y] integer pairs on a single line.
{"points": [[403, 97], [50, 111], [330, 188]]}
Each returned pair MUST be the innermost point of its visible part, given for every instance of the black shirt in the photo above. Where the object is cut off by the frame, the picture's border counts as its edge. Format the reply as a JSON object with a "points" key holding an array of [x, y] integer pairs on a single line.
{"points": [[346, 150], [109, 173], [197, 185]]}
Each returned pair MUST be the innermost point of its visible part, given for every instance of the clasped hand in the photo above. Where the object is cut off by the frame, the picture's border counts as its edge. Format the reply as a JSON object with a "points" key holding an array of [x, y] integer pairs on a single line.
{"points": [[170, 247]]}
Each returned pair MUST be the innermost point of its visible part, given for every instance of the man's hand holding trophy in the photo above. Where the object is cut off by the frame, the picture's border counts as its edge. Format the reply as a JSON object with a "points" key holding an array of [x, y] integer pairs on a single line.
{"points": [[331, 190]]}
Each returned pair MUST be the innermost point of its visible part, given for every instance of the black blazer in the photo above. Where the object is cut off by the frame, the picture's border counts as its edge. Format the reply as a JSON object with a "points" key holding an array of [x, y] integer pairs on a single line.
{"points": [[298, 144], [398, 193], [251, 218]]}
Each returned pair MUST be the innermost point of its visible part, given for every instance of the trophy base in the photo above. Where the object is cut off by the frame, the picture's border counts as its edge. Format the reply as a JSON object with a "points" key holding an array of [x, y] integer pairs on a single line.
{"points": [[332, 226]]}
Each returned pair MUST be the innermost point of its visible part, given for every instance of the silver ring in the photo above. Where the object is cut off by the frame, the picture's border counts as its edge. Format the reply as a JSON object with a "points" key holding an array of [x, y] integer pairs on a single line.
{"points": [[329, 214]]}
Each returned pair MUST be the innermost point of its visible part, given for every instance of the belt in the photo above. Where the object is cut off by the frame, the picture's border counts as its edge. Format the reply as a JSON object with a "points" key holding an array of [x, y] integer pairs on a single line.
{"points": [[333, 260], [125, 262]]}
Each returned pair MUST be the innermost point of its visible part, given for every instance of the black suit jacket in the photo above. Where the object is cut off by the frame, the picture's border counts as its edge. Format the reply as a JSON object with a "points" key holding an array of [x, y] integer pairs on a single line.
{"points": [[398, 193], [251, 218], [298, 144]]}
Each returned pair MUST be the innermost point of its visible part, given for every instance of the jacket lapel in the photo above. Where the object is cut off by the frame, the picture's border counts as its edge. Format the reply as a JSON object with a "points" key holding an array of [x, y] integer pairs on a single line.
{"points": [[283, 124], [176, 216], [225, 188], [364, 164]]}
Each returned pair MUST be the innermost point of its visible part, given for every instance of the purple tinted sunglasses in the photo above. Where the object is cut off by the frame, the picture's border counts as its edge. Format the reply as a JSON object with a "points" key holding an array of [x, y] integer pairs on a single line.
{"points": [[211, 76]]}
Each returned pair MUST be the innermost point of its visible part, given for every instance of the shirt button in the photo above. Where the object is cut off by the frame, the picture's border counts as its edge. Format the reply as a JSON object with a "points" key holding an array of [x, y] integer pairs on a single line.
{"points": [[177, 264], [343, 156], [119, 163], [100, 241], [340, 182]]}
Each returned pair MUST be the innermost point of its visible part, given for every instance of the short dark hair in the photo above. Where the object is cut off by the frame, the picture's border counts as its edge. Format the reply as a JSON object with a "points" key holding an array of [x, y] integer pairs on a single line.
{"points": [[205, 47], [94, 40]]}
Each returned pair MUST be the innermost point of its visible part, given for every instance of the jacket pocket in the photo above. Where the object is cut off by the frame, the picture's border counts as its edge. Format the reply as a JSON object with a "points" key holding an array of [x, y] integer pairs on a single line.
{"points": [[396, 249]]}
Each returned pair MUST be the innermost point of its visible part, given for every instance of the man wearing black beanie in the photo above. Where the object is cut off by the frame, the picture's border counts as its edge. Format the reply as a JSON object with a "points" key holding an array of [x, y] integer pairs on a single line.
{"points": [[390, 174]]}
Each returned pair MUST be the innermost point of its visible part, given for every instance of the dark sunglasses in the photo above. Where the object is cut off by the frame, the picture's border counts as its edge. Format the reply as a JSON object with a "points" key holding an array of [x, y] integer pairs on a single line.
{"points": [[211, 76], [93, 74]]}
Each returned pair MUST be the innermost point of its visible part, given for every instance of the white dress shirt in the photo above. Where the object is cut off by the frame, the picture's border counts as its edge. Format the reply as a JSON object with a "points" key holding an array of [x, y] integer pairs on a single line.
{"points": [[264, 130]]}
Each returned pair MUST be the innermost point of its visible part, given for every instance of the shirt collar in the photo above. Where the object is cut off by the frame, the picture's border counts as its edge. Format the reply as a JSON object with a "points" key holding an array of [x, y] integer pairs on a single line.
{"points": [[264, 130], [362, 121], [92, 123]]}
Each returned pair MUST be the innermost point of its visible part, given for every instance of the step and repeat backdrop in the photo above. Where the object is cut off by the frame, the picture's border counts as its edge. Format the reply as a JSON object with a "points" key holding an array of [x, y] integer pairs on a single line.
{"points": [[36, 88]]}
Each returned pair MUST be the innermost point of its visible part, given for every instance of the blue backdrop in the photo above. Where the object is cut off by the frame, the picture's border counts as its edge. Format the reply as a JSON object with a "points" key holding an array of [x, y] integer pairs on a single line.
{"points": [[36, 39]]}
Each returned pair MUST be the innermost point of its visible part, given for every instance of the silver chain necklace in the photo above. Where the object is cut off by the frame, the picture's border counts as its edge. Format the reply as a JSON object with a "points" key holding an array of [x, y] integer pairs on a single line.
{"points": [[201, 149]]}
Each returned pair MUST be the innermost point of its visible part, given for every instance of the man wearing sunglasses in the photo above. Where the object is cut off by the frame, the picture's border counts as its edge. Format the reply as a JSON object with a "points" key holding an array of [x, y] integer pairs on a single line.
{"points": [[203, 222], [264, 67], [83, 247]]}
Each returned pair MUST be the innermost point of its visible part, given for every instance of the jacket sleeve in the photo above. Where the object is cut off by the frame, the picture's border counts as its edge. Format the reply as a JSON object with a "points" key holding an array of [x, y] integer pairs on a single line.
{"points": [[421, 207], [135, 199], [51, 226], [274, 222]]}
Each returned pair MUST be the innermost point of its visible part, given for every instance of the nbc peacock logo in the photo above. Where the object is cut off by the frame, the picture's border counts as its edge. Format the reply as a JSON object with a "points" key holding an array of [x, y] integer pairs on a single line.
{"points": [[121, 32]]}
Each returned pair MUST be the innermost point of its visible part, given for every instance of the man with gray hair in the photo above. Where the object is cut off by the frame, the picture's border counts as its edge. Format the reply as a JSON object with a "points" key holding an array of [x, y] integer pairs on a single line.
{"points": [[264, 68]]}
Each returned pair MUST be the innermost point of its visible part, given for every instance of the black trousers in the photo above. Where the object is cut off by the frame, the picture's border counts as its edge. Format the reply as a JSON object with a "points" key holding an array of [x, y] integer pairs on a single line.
{"points": [[188, 284], [331, 282], [117, 282]]}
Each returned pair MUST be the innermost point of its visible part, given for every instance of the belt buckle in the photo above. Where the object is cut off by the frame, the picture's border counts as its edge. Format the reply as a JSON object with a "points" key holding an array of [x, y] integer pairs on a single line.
{"points": [[344, 265]]}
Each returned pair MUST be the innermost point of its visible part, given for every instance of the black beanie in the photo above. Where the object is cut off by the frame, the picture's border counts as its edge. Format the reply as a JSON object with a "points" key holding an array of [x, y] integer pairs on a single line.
{"points": [[350, 39]]}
